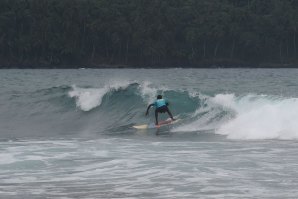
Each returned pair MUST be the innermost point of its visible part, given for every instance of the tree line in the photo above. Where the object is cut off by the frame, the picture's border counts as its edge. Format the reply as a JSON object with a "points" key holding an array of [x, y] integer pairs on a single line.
{"points": [[147, 32]]}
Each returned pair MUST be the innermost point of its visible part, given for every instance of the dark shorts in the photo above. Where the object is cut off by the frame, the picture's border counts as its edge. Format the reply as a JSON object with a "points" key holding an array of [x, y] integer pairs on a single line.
{"points": [[162, 109]]}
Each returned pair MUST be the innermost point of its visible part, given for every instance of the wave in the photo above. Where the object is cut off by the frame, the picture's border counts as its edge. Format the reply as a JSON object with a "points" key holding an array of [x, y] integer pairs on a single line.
{"points": [[90, 98], [116, 106]]}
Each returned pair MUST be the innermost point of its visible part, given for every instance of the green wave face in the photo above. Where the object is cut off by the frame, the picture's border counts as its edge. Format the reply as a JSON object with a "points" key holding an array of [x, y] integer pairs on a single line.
{"points": [[93, 110]]}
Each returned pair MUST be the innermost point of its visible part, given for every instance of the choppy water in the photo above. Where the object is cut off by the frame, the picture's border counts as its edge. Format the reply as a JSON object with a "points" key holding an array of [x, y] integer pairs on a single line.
{"points": [[67, 134]]}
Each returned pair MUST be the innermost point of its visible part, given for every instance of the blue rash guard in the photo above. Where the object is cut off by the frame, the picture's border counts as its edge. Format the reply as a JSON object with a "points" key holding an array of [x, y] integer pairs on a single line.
{"points": [[161, 106], [159, 103]]}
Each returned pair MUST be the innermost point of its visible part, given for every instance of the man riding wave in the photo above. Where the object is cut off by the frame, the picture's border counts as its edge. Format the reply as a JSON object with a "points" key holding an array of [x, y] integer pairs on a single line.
{"points": [[161, 106]]}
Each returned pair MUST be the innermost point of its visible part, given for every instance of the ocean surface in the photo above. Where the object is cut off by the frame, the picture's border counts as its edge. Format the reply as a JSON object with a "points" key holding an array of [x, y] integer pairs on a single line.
{"points": [[68, 134]]}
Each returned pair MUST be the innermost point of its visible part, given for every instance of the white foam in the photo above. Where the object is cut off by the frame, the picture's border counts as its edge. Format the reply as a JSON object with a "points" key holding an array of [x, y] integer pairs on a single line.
{"points": [[89, 98], [119, 84], [7, 159], [201, 124], [247, 117], [263, 118], [149, 92], [225, 100], [206, 114]]}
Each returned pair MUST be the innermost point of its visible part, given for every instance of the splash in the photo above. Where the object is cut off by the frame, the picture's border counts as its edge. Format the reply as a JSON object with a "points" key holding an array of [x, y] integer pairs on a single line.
{"points": [[87, 98], [262, 117], [90, 98], [246, 117], [149, 92]]}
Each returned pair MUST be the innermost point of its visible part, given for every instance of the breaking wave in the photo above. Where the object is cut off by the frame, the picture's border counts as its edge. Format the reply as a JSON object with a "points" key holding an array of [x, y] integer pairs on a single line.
{"points": [[116, 107]]}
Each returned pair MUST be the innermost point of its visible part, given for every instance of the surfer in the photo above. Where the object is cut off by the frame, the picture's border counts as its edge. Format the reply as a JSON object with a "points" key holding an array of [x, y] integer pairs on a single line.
{"points": [[161, 106]]}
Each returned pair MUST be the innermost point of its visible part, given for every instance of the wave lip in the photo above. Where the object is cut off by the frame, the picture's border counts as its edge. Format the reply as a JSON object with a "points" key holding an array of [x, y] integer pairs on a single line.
{"points": [[90, 98], [87, 98]]}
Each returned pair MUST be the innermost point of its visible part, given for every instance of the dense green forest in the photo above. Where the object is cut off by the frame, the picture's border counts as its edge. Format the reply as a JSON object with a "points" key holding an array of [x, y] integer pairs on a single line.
{"points": [[47, 33]]}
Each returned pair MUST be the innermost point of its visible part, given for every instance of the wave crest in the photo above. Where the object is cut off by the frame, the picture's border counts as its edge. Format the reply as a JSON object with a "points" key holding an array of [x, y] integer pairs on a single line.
{"points": [[87, 98]]}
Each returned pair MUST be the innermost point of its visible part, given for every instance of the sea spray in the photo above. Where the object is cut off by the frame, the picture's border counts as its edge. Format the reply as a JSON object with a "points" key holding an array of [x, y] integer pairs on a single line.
{"points": [[149, 91], [246, 117], [209, 115], [87, 98]]}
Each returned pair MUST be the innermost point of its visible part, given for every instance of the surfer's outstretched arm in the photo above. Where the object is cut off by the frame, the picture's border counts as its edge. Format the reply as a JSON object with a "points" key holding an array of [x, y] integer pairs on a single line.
{"points": [[149, 108]]}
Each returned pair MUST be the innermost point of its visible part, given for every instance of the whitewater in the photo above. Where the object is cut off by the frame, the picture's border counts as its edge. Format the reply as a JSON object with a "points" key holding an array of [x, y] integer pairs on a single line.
{"points": [[68, 133]]}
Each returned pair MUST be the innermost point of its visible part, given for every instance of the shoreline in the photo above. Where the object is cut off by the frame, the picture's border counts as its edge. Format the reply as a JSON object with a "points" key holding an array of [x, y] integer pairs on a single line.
{"points": [[204, 64]]}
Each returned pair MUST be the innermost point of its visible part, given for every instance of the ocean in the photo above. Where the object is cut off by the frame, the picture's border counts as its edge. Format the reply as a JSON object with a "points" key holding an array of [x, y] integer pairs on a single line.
{"points": [[68, 133]]}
